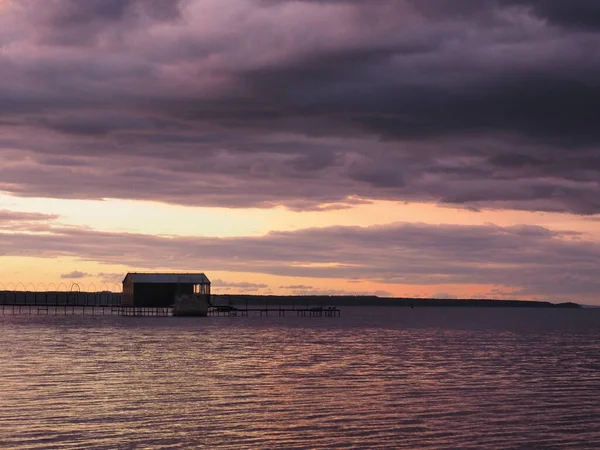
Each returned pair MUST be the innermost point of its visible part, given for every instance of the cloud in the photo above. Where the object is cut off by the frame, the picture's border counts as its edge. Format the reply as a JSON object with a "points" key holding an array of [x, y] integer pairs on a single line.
{"points": [[296, 287], [16, 218], [25, 221], [76, 274], [244, 285], [578, 14], [445, 295], [477, 103], [111, 277], [528, 260], [337, 292], [301, 289]]}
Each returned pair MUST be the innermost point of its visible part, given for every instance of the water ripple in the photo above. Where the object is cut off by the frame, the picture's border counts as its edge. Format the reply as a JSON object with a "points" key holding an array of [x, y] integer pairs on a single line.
{"points": [[432, 379]]}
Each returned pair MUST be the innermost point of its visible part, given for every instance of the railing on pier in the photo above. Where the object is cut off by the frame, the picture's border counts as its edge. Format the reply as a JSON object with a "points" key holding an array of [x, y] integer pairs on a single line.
{"points": [[58, 310], [59, 303], [280, 312], [141, 311], [56, 298], [109, 303]]}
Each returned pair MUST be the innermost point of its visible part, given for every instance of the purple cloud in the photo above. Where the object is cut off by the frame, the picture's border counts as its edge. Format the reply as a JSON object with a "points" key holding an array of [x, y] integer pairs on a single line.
{"points": [[7, 216], [312, 291], [297, 287], [76, 274], [111, 277], [25, 221], [239, 285], [482, 104], [527, 260]]}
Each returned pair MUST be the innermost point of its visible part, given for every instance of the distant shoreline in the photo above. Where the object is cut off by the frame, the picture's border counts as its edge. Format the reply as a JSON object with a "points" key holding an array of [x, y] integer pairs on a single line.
{"points": [[273, 301], [347, 300]]}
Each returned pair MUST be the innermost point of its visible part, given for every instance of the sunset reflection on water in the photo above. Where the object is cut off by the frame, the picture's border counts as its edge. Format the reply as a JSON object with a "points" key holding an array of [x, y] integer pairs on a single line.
{"points": [[402, 378]]}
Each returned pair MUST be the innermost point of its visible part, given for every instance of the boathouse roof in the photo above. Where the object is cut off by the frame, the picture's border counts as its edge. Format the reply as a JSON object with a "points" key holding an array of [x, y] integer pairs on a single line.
{"points": [[168, 278]]}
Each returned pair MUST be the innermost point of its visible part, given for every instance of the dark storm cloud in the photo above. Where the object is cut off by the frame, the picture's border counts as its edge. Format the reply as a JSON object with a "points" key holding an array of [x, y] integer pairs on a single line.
{"points": [[572, 13], [490, 103], [525, 260], [76, 22]]}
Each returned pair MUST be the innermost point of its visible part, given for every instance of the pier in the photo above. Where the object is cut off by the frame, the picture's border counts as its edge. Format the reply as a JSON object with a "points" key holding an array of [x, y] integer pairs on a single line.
{"points": [[58, 310], [280, 312], [109, 304], [138, 311]]}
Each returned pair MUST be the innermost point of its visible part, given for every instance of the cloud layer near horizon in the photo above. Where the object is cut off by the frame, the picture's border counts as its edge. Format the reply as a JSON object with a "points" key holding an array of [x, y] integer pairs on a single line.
{"points": [[525, 261], [487, 103]]}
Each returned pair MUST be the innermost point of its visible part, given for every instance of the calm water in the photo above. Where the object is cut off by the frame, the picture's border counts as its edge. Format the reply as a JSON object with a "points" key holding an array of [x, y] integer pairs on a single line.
{"points": [[387, 378]]}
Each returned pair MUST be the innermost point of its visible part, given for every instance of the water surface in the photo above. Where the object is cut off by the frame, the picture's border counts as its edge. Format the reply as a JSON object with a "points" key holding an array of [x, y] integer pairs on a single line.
{"points": [[435, 378]]}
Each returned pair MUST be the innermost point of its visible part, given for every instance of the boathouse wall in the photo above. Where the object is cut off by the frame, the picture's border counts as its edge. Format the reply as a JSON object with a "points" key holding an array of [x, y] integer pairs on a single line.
{"points": [[159, 295], [160, 290]]}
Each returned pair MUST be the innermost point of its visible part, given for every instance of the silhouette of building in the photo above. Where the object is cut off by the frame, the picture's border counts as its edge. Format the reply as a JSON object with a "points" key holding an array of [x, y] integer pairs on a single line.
{"points": [[160, 289]]}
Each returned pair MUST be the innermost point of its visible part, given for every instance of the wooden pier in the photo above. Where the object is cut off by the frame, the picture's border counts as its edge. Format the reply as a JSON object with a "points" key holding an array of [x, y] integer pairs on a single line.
{"points": [[58, 310], [60, 303], [78, 310], [137, 311], [231, 311], [142, 311]]}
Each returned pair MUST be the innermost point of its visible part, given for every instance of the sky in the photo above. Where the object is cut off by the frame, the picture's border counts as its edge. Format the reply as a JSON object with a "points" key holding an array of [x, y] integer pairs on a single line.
{"points": [[422, 148]]}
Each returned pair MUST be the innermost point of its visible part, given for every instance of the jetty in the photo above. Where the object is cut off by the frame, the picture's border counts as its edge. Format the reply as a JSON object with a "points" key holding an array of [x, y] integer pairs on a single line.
{"points": [[46, 309], [57, 303], [151, 295], [317, 311], [58, 310]]}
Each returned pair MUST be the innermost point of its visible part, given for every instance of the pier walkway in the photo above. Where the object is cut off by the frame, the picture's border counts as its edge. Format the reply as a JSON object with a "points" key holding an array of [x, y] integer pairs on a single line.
{"points": [[281, 312], [58, 310], [49, 308]]}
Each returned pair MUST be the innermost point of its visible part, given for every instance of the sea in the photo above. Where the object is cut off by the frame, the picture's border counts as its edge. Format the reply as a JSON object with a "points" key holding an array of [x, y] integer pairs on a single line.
{"points": [[374, 378]]}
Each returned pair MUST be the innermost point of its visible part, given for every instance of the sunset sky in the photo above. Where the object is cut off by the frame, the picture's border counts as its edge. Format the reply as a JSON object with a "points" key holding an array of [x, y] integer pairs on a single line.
{"points": [[428, 148]]}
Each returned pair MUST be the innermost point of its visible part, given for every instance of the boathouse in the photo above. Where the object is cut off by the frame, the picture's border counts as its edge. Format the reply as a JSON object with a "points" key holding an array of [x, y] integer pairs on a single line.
{"points": [[158, 290]]}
